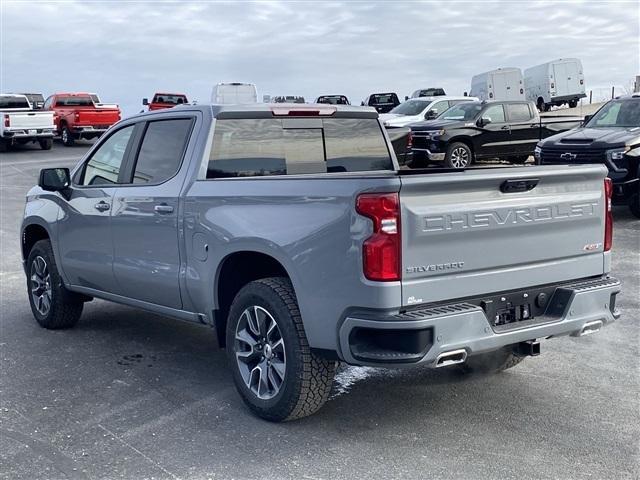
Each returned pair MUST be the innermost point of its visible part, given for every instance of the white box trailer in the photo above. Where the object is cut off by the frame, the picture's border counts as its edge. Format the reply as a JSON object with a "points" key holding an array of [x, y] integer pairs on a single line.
{"points": [[555, 83], [500, 84], [234, 93]]}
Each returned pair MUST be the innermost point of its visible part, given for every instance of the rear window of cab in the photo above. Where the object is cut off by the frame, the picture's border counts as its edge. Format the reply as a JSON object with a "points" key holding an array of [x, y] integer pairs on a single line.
{"points": [[276, 146]]}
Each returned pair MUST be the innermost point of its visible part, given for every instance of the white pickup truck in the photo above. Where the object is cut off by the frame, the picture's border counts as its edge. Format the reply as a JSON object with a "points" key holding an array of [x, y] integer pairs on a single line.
{"points": [[21, 124]]}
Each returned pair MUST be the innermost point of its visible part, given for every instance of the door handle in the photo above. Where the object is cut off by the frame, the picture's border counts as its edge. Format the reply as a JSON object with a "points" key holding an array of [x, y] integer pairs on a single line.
{"points": [[102, 206], [163, 208], [506, 127]]}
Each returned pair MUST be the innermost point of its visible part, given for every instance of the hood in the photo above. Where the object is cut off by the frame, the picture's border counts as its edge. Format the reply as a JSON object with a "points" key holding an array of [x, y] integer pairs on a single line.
{"points": [[396, 120], [438, 124], [596, 137]]}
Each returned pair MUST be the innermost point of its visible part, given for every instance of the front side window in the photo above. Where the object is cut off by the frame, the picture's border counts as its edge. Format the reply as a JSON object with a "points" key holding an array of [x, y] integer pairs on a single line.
{"points": [[104, 166], [463, 112], [259, 147], [162, 150], [519, 112], [495, 113]]}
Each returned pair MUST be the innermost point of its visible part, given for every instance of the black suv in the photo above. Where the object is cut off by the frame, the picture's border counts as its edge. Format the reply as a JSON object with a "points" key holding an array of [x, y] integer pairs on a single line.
{"points": [[610, 136]]}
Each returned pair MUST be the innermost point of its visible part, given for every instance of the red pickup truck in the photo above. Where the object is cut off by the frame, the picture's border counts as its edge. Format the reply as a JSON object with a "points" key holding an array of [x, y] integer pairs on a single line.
{"points": [[165, 100], [77, 116]]}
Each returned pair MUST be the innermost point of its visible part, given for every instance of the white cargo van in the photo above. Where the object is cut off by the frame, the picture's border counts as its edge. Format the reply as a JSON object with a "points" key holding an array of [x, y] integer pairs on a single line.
{"points": [[555, 83], [501, 84], [234, 93]]}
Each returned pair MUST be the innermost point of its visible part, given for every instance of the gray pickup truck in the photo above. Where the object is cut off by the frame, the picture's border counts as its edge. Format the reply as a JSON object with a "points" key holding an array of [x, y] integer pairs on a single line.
{"points": [[292, 231]]}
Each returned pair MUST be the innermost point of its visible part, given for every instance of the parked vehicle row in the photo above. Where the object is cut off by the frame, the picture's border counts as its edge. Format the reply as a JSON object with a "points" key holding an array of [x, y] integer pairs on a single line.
{"points": [[549, 84], [335, 254]]}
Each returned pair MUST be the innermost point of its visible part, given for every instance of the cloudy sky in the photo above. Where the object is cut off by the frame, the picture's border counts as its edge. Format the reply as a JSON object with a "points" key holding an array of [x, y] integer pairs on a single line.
{"points": [[128, 50]]}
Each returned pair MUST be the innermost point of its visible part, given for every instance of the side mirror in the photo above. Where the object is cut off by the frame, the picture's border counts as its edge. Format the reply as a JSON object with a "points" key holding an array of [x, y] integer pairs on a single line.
{"points": [[484, 121], [145, 101], [54, 179], [406, 97], [431, 114], [586, 119]]}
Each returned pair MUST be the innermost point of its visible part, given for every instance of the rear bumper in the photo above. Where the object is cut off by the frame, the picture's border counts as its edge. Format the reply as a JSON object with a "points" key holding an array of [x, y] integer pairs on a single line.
{"points": [[28, 133], [567, 98], [89, 130], [421, 336]]}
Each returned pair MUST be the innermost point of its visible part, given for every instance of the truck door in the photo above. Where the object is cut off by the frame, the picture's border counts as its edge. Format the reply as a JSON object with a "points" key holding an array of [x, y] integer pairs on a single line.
{"points": [[494, 139], [524, 127], [144, 219], [84, 236]]}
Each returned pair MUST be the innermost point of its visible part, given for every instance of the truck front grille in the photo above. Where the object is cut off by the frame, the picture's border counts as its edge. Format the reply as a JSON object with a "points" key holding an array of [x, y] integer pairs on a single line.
{"points": [[558, 155]]}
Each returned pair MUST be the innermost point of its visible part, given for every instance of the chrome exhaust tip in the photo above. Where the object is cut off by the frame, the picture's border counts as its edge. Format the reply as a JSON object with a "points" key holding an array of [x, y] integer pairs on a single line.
{"points": [[590, 327], [451, 358]]}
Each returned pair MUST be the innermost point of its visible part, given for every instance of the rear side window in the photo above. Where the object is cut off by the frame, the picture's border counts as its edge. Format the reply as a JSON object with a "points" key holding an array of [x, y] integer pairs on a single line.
{"points": [[519, 112], [162, 150], [258, 147]]}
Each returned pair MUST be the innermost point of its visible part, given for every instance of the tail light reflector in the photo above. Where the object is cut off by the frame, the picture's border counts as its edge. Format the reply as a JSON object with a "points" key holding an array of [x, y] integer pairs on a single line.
{"points": [[381, 251], [553, 85], [7, 121], [608, 215], [581, 82], [521, 91], [77, 116]]}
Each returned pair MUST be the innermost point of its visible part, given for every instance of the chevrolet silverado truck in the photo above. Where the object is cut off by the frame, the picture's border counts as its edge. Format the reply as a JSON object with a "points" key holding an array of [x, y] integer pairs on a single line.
{"points": [[21, 124], [611, 137], [292, 231], [77, 116], [477, 130], [165, 100]]}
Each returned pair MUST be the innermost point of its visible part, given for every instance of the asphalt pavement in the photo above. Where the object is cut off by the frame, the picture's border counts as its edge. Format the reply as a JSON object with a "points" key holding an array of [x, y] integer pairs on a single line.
{"points": [[128, 394]]}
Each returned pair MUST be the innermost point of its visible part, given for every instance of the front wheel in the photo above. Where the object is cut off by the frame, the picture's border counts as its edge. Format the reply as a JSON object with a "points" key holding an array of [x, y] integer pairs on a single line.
{"points": [[274, 370], [458, 156], [45, 143], [52, 305]]}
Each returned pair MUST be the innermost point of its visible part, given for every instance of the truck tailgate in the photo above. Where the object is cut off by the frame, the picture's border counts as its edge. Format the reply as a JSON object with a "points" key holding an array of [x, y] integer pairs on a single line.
{"points": [[99, 117], [462, 235], [30, 120]]}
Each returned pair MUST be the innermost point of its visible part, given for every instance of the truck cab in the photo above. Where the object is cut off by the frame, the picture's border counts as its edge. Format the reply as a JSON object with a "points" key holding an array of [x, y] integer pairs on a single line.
{"points": [[165, 100]]}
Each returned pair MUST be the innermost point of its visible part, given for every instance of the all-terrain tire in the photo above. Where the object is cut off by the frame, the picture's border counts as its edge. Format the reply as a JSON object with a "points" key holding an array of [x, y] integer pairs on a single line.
{"points": [[65, 307], [492, 362], [307, 377]]}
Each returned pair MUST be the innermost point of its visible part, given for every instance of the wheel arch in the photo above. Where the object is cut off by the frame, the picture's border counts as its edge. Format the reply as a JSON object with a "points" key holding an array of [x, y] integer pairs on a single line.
{"points": [[466, 140], [31, 233], [234, 271]]}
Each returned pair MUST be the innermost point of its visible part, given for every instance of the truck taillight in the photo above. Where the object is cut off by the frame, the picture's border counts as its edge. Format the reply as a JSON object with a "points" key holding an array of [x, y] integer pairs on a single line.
{"points": [[581, 82], [553, 85], [608, 215], [410, 140], [521, 91], [7, 121], [381, 251]]}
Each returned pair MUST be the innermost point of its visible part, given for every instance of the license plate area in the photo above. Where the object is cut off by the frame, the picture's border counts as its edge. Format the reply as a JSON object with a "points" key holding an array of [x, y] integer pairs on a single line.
{"points": [[510, 310], [32, 132]]}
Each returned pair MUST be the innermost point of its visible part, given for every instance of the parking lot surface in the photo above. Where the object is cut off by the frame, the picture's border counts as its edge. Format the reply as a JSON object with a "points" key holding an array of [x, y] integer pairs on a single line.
{"points": [[127, 394]]}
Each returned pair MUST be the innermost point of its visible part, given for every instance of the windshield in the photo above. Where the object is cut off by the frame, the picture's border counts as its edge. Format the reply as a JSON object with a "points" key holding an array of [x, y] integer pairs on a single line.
{"points": [[13, 102], [462, 111], [411, 107], [172, 99], [617, 113]]}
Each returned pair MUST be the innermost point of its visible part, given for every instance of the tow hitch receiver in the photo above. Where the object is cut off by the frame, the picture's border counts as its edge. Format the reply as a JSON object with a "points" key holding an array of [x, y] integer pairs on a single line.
{"points": [[530, 348]]}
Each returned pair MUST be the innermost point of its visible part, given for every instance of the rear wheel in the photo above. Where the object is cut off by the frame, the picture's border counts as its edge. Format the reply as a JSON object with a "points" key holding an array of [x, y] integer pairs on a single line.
{"points": [[52, 305], [573, 103], [492, 362], [4, 146], [458, 156], [67, 137], [45, 143], [274, 370]]}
